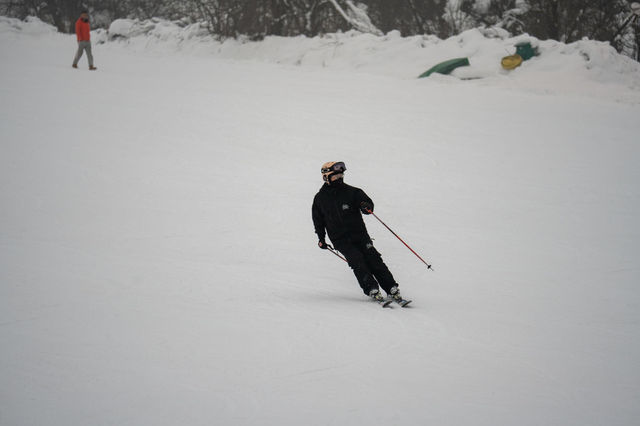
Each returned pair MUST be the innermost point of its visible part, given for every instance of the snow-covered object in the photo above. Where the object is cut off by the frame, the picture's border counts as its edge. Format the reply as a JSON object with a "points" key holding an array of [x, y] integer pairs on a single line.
{"points": [[124, 28], [156, 30]]}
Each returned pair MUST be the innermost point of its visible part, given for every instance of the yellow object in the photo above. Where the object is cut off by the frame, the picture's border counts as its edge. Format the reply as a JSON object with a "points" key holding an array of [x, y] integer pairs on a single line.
{"points": [[511, 62]]}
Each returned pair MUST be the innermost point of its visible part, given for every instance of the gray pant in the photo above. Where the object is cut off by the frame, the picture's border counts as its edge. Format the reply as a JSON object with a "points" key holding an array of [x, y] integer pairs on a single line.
{"points": [[83, 45]]}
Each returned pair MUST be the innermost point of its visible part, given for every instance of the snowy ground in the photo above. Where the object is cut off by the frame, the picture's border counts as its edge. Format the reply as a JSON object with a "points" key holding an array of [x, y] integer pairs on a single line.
{"points": [[158, 264]]}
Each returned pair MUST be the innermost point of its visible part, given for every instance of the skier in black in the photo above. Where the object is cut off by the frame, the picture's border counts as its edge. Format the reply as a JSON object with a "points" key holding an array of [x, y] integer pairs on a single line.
{"points": [[338, 208]]}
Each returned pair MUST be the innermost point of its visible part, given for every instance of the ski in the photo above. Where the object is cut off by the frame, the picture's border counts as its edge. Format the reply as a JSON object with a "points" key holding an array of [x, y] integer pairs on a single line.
{"points": [[394, 295], [384, 303], [403, 302]]}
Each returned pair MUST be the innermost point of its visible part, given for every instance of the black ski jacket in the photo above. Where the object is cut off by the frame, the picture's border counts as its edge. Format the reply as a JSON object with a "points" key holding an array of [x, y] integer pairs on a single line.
{"points": [[336, 208]]}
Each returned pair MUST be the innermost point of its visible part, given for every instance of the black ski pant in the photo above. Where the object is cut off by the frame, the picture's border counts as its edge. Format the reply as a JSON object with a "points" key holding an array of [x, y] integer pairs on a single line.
{"points": [[367, 265]]}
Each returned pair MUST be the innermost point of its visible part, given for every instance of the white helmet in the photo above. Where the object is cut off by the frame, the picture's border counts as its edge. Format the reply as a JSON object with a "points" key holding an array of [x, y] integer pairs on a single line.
{"points": [[332, 170]]}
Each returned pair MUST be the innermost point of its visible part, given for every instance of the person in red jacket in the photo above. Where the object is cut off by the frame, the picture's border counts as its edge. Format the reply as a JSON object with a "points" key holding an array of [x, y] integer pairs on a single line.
{"points": [[83, 33]]}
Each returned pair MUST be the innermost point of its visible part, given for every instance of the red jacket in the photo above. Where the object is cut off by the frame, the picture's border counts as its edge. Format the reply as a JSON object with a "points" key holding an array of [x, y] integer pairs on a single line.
{"points": [[83, 30]]}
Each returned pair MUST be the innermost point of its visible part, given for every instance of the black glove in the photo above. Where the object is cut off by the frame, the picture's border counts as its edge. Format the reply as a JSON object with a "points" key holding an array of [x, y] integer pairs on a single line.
{"points": [[323, 245], [366, 207]]}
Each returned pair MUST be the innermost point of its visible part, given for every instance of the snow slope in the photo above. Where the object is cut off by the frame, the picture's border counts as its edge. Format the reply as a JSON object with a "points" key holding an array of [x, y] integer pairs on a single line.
{"points": [[158, 264]]}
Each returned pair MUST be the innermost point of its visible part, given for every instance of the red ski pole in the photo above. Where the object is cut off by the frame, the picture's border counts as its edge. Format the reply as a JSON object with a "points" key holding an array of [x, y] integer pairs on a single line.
{"points": [[332, 250], [401, 240]]}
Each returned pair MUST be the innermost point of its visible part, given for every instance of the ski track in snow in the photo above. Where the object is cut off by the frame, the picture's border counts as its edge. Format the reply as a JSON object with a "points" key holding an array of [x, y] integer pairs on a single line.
{"points": [[158, 263]]}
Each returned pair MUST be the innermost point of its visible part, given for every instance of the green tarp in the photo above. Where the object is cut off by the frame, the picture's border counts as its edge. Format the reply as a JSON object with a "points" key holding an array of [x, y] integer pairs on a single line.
{"points": [[446, 67], [525, 50]]}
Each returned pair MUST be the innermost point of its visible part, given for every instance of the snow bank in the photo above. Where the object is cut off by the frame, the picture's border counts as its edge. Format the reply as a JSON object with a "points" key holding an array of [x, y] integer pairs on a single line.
{"points": [[585, 67], [155, 30], [390, 54], [30, 26]]}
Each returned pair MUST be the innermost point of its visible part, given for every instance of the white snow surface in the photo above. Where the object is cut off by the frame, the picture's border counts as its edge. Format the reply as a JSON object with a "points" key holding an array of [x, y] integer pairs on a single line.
{"points": [[158, 264]]}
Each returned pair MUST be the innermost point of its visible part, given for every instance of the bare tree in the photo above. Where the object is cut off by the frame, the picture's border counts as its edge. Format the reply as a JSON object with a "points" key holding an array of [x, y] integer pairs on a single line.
{"points": [[501, 13], [356, 16]]}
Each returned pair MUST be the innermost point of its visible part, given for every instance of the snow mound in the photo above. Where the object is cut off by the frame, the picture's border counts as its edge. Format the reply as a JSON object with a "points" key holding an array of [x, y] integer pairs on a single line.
{"points": [[560, 67], [30, 26], [155, 30], [585, 68]]}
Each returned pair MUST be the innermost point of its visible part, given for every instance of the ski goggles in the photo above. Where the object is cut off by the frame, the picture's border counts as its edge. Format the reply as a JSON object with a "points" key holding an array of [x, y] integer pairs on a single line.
{"points": [[338, 166]]}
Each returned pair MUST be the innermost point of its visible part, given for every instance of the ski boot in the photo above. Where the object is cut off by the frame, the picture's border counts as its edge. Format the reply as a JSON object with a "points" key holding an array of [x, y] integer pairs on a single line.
{"points": [[377, 297], [395, 295]]}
